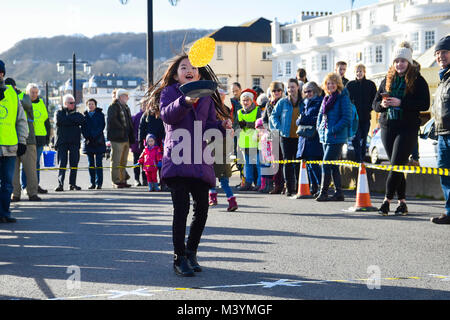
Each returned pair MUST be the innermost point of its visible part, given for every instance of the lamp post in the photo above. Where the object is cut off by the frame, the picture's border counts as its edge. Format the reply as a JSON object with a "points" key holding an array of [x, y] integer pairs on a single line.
{"points": [[61, 67], [150, 37]]}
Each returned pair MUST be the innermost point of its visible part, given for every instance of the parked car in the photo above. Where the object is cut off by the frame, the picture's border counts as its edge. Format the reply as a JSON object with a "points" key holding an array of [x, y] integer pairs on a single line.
{"points": [[427, 147]]}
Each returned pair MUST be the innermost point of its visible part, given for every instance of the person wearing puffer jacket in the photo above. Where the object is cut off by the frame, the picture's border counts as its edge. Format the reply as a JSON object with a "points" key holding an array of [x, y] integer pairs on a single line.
{"points": [[151, 159], [333, 124]]}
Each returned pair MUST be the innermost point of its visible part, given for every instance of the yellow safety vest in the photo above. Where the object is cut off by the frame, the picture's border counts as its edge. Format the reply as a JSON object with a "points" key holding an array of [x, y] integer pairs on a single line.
{"points": [[246, 136], [8, 117], [40, 116]]}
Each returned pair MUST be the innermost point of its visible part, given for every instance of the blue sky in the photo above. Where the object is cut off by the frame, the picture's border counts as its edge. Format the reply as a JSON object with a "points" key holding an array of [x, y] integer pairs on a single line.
{"points": [[48, 18]]}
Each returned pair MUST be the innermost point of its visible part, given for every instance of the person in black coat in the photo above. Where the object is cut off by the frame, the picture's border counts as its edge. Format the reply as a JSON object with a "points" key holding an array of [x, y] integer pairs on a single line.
{"points": [[94, 144], [67, 145], [311, 148], [362, 92], [402, 95]]}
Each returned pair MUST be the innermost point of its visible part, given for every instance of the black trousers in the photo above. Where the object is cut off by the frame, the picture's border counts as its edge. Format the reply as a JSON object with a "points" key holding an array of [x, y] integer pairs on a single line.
{"points": [[71, 153], [399, 144], [291, 170], [181, 190], [137, 170]]}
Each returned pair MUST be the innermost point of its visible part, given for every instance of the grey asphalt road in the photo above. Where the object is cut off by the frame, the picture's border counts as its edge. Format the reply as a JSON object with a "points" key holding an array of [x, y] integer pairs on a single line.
{"points": [[116, 244]]}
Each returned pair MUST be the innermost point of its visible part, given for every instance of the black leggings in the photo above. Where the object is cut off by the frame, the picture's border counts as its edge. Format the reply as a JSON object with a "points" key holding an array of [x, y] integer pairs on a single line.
{"points": [[399, 143], [181, 189]]}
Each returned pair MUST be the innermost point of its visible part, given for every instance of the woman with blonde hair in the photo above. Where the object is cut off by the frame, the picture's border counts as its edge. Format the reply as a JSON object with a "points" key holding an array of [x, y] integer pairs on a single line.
{"points": [[332, 125], [399, 100]]}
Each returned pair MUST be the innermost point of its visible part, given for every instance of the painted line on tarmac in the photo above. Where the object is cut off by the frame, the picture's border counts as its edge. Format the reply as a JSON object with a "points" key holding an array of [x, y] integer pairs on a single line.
{"points": [[144, 292]]}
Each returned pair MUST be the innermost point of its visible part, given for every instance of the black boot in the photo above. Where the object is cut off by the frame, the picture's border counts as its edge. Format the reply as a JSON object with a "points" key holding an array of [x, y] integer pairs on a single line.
{"points": [[337, 196], [192, 260], [325, 184], [182, 267]]}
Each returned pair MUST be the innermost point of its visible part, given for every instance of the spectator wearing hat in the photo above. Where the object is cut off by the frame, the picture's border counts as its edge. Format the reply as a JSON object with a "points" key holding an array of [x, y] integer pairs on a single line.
{"points": [[67, 145], [441, 112], [28, 160], [400, 98], [13, 136], [121, 134]]}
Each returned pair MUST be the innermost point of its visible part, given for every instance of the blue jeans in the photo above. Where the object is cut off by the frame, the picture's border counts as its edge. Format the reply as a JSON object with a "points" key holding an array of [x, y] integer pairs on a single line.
{"points": [[225, 185], [7, 165], [443, 161], [331, 152], [39, 150], [250, 164], [96, 175]]}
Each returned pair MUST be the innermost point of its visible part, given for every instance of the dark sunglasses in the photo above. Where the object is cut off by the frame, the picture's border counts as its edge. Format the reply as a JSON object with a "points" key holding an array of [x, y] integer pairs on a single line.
{"points": [[307, 91], [71, 102]]}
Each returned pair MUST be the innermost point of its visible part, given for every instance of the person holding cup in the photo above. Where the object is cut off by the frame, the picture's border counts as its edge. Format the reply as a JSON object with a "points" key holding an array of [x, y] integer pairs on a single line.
{"points": [[400, 98]]}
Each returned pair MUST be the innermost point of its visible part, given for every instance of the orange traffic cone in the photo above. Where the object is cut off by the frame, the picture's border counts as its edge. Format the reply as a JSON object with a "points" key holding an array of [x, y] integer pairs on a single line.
{"points": [[303, 183], [363, 202]]}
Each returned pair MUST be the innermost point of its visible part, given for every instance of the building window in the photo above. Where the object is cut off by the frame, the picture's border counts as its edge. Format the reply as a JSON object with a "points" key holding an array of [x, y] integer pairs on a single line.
{"points": [[396, 11], [256, 82], [372, 18], [379, 54], [132, 83], [279, 69], [223, 81], [429, 39], [219, 53], [297, 35], [109, 82], [93, 90], [119, 83], [358, 21], [314, 66], [359, 56], [287, 36], [310, 30], [267, 53], [303, 63], [288, 67], [368, 55], [415, 41], [324, 63], [330, 27]]}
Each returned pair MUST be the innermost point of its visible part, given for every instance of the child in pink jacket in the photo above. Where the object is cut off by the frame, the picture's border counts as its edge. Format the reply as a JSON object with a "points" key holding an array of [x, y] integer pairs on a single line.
{"points": [[150, 159]]}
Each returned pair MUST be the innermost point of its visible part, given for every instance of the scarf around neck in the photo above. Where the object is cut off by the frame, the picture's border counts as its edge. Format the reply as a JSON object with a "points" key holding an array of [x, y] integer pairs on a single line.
{"points": [[398, 87], [328, 102]]}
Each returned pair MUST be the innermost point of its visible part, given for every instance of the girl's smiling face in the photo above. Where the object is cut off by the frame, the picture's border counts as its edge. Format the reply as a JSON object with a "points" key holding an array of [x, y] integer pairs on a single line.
{"points": [[186, 72]]}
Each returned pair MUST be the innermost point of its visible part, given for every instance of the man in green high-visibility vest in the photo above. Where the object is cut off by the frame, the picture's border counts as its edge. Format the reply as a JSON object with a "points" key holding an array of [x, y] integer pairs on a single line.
{"points": [[13, 139], [28, 160]]}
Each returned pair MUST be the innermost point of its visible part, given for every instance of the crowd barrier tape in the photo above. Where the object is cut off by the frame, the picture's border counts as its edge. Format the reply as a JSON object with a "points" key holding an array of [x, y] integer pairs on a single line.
{"points": [[347, 163]]}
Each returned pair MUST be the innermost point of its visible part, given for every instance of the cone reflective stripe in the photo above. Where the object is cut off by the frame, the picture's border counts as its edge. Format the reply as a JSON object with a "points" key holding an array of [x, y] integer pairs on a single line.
{"points": [[303, 183], [363, 202]]}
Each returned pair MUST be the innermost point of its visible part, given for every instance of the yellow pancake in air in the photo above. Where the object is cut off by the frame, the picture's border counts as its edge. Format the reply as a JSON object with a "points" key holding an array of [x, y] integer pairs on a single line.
{"points": [[202, 52]]}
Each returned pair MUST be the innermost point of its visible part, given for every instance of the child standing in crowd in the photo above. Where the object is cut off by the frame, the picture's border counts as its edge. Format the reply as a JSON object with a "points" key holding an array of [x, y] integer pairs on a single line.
{"points": [[265, 154], [150, 160], [249, 146], [222, 170], [187, 177]]}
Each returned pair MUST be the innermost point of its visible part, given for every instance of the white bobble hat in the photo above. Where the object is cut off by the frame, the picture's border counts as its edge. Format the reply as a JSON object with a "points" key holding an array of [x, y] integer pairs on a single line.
{"points": [[121, 92], [403, 51]]}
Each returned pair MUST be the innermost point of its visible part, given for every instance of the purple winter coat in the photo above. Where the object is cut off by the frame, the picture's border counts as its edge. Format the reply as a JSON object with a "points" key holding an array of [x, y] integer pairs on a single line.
{"points": [[177, 114], [136, 119]]}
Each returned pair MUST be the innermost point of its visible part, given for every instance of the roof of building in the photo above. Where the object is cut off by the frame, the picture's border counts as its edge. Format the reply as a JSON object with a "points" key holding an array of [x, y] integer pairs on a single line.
{"points": [[257, 30]]}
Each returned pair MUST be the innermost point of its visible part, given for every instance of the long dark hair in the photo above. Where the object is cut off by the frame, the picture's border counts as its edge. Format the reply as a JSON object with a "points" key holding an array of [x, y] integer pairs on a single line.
{"points": [[153, 94]]}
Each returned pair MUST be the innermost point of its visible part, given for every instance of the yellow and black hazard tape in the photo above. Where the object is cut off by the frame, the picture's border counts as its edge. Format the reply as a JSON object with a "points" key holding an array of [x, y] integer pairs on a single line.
{"points": [[397, 168], [347, 163]]}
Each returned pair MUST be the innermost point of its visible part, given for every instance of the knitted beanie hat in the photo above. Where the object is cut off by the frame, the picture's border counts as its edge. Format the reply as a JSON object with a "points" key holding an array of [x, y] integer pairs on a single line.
{"points": [[404, 51], [443, 44], [259, 123]]}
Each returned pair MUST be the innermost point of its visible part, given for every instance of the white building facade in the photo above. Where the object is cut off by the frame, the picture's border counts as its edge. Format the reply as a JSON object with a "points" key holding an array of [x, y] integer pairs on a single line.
{"points": [[365, 35], [100, 87]]}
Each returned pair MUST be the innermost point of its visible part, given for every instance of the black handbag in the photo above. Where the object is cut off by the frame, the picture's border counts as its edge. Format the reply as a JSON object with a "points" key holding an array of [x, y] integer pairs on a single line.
{"points": [[306, 131]]}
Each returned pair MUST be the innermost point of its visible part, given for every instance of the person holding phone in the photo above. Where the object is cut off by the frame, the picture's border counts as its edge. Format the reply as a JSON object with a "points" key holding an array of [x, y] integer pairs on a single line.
{"points": [[400, 98]]}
